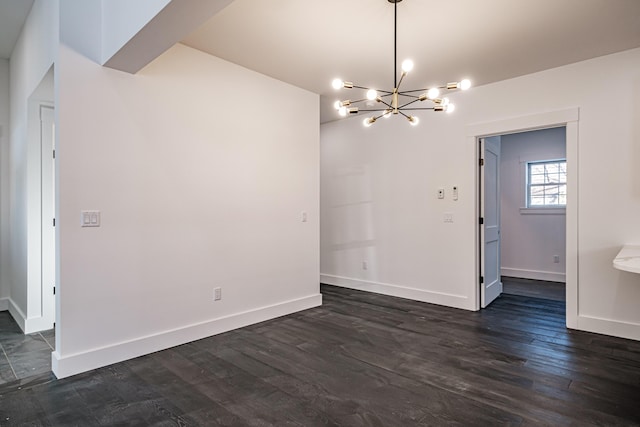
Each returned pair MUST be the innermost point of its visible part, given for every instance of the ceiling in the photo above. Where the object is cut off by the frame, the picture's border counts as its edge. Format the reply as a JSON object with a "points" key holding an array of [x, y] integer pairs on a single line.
{"points": [[13, 13], [308, 43]]}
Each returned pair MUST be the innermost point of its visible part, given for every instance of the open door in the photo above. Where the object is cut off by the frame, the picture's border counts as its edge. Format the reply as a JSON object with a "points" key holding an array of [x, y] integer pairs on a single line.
{"points": [[490, 281]]}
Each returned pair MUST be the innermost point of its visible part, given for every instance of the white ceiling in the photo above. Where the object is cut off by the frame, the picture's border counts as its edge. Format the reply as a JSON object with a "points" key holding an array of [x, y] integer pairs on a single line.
{"points": [[13, 13], [308, 43]]}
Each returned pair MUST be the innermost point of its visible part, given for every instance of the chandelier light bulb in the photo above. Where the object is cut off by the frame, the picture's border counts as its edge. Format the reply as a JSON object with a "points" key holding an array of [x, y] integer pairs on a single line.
{"points": [[372, 94], [465, 84], [433, 93], [387, 114], [407, 65], [337, 105], [445, 101], [342, 111], [337, 83], [450, 108], [368, 121], [413, 120]]}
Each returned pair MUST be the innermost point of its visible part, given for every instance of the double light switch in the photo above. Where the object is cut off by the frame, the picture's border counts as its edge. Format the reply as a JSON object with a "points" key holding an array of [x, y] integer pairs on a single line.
{"points": [[90, 218]]}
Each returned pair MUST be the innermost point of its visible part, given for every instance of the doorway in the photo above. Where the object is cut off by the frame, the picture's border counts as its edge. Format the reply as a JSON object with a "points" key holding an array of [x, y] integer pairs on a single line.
{"points": [[523, 198], [569, 119]]}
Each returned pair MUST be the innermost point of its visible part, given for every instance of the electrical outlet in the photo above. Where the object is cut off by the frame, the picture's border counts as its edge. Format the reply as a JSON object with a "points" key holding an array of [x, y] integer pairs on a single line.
{"points": [[556, 259], [365, 265], [217, 294], [440, 193], [448, 217]]}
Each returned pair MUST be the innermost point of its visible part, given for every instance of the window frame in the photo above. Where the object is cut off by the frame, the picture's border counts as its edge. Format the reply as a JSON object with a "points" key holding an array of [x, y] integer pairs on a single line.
{"points": [[528, 185]]}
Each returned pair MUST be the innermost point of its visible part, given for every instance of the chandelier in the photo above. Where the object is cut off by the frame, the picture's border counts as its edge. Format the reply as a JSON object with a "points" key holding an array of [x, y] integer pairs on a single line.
{"points": [[397, 101]]}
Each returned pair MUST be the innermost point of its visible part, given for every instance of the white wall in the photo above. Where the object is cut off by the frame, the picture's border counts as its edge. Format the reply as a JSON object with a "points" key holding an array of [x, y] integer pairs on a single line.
{"points": [[32, 58], [530, 237], [378, 192], [4, 185], [122, 19], [199, 186]]}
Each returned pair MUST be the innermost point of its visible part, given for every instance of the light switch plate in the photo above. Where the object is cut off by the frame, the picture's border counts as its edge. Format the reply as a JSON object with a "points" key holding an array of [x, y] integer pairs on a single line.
{"points": [[90, 218]]}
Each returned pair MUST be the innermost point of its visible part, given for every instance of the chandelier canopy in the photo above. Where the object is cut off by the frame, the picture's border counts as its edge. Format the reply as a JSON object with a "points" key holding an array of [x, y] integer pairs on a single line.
{"points": [[397, 101]]}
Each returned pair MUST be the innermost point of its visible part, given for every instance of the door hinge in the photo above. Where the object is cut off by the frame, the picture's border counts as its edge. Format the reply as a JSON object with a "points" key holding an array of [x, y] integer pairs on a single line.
{"points": [[54, 154], [481, 220], [481, 279], [481, 162], [54, 290], [54, 222]]}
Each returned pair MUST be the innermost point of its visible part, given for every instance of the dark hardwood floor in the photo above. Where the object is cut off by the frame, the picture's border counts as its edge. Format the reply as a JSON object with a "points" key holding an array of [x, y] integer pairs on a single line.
{"points": [[359, 360], [534, 288]]}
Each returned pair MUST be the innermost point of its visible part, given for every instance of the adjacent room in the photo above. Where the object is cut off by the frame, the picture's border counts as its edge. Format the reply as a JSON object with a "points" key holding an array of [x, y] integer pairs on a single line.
{"points": [[270, 212]]}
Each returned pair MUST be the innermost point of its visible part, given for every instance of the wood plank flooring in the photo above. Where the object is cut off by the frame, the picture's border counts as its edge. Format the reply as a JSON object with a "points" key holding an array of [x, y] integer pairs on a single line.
{"points": [[534, 288], [359, 360]]}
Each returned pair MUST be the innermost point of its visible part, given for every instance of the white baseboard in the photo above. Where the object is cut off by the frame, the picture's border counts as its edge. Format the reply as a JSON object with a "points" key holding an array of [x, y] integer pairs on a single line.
{"points": [[17, 314], [611, 327], [28, 325], [449, 300], [4, 304], [72, 364], [548, 276]]}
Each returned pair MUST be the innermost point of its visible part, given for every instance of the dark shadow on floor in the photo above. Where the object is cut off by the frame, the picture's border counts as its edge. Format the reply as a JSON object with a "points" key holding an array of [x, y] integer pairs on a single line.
{"points": [[555, 291]]}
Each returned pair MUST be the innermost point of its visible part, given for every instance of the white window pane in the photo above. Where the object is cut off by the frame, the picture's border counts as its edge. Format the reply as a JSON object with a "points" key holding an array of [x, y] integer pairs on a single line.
{"points": [[551, 168], [536, 179], [562, 199], [537, 201], [536, 169], [537, 191], [562, 177]]}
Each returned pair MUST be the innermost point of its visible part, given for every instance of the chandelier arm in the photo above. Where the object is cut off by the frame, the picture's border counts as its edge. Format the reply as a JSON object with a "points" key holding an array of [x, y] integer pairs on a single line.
{"points": [[403, 114], [406, 92], [400, 82], [388, 105], [408, 103], [379, 109], [416, 109]]}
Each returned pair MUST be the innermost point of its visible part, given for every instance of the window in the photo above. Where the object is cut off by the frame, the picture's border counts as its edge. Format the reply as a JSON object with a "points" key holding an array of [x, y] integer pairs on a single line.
{"points": [[547, 184]]}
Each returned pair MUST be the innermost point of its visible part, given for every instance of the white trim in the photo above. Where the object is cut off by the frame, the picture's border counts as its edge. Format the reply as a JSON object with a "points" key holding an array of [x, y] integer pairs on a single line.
{"points": [[72, 364], [4, 304], [543, 211], [612, 327], [440, 298], [524, 123], [17, 314], [27, 325], [568, 118], [548, 276]]}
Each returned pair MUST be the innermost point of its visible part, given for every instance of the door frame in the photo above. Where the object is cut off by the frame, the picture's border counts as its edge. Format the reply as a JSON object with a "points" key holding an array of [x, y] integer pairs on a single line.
{"points": [[568, 118]]}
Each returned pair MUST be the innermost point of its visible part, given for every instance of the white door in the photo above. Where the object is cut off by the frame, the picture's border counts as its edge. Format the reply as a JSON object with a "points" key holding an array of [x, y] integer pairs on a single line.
{"points": [[491, 284], [47, 141]]}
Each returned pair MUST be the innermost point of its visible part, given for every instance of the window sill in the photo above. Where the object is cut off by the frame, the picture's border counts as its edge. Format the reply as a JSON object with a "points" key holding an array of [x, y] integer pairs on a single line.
{"points": [[542, 211]]}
